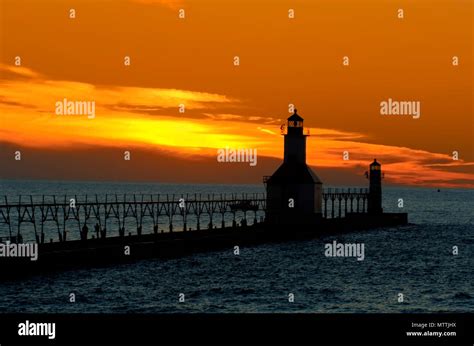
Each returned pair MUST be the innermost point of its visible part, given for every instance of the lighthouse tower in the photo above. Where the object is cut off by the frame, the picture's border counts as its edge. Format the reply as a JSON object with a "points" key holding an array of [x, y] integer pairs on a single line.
{"points": [[375, 188], [295, 141], [294, 191]]}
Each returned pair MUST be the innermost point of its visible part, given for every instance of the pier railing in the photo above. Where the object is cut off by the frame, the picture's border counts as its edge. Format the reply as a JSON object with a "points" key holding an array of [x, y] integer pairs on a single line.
{"points": [[70, 217], [337, 202], [178, 212]]}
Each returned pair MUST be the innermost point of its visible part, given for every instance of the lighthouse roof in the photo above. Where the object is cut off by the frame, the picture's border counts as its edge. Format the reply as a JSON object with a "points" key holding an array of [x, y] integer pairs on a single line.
{"points": [[375, 163], [295, 117], [298, 173]]}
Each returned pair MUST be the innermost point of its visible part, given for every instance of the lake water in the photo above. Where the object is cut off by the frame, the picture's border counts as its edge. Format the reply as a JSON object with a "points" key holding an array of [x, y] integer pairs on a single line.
{"points": [[416, 260]]}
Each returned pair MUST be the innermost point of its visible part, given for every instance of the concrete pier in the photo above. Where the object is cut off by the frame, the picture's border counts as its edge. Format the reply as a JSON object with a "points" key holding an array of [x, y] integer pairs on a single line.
{"points": [[122, 249]]}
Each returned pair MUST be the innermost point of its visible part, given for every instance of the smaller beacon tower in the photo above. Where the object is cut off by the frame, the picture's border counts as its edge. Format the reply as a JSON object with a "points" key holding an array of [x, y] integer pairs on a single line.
{"points": [[375, 188]]}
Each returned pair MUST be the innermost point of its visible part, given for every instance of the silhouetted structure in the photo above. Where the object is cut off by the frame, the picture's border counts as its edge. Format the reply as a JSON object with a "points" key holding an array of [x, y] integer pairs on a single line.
{"points": [[375, 188], [294, 191], [295, 207]]}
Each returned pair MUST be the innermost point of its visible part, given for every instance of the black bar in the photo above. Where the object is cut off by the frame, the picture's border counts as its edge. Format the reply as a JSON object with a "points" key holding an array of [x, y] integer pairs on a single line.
{"points": [[290, 329]]}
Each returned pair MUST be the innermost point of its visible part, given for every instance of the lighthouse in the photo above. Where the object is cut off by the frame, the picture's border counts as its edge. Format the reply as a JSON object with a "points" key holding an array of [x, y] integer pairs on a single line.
{"points": [[375, 188], [294, 191]]}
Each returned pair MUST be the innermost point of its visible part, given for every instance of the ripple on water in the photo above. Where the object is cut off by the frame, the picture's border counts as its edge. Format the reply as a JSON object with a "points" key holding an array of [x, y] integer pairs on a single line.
{"points": [[415, 261]]}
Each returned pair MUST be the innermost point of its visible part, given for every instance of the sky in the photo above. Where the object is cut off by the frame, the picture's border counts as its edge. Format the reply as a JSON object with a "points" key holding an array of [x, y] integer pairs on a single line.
{"points": [[190, 61]]}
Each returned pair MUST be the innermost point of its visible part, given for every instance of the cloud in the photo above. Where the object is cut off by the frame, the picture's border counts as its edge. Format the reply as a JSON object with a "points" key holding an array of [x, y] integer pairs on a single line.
{"points": [[267, 131], [173, 4], [32, 90], [402, 165], [125, 119], [17, 72], [223, 116], [333, 134]]}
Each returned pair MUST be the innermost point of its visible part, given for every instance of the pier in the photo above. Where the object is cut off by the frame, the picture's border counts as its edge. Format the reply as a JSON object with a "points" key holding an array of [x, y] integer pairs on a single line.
{"points": [[78, 231], [67, 215]]}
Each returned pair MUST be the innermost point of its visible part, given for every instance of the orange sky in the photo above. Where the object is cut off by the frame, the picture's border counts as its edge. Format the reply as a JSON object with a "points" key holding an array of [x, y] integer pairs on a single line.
{"points": [[190, 61]]}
